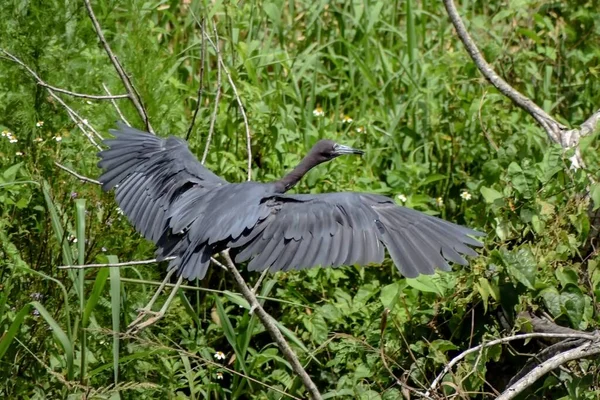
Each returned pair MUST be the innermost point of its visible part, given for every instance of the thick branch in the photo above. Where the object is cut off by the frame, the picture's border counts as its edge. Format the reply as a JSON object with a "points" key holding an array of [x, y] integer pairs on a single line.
{"points": [[552, 127], [271, 328], [586, 350], [133, 95], [455, 360]]}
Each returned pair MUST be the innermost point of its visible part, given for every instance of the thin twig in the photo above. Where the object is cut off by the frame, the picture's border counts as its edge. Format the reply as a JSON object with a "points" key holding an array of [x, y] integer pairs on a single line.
{"points": [[133, 94], [201, 84], [240, 105], [270, 326], [77, 119], [213, 118], [123, 264], [116, 106], [507, 339], [75, 174], [586, 350]]}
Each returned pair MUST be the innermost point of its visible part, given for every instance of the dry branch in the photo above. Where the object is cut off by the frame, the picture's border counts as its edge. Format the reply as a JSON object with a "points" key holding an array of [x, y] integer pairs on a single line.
{"points": [[556, 131], [75, 174], [588, 349], [132, 93], [270, 326], [123, 264]]}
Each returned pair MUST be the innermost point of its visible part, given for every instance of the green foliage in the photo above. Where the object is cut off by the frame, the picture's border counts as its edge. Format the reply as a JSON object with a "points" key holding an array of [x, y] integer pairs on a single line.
{"points": [[390, 77]]}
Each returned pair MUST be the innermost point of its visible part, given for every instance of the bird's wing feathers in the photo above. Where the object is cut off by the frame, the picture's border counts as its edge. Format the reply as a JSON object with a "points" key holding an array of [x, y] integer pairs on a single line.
{"points": [[150, 173], [336, 229]]}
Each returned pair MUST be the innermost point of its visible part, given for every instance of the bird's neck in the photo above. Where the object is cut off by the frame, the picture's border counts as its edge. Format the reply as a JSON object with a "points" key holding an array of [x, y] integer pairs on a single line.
{"points": [[291, 179]]}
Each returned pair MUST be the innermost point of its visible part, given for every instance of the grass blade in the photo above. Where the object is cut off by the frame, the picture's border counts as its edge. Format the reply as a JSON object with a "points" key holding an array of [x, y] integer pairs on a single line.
{"points": [[80, 235], [60, 336], [99, 283], [8, 337]]}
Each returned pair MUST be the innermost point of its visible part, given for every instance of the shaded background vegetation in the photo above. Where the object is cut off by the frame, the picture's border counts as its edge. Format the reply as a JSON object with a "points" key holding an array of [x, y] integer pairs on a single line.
{"points": [[434, 131]]}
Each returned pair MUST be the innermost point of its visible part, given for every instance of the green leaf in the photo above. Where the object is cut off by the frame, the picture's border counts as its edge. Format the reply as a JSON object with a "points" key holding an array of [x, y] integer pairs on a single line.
{"points": [[59, 334], [595, 194], [573, 304], [490, 195], [521, 265], [432, 178], [389, 295], [552, 301], [115, 305], [424, 283], [8, 336], [566, 276], [522, 180], [11, 172], [99, 282]]}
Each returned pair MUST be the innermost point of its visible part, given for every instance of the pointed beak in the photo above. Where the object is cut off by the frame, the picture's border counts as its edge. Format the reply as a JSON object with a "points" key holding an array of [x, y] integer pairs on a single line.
{"points": [[340, 149]]}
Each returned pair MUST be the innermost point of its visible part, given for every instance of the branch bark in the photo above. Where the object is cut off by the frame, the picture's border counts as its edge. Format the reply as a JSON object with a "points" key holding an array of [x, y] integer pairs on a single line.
{"points": [[588, 349], [270, 326], [556, 131], [133, 94]]}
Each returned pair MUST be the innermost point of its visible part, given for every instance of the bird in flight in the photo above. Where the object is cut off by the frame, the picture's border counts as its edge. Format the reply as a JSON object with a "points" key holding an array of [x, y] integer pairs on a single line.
{"points": [[191, 214]]}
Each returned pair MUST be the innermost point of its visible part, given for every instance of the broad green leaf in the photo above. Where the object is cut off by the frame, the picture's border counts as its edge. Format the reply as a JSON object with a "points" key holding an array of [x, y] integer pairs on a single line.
{"points": [[573, 303], [521, 265], [11, 172], [552, 301], [99, 282], [522, 180], [490, 195], [595, 194], [389, 295], [566, 276], [424, 283]]}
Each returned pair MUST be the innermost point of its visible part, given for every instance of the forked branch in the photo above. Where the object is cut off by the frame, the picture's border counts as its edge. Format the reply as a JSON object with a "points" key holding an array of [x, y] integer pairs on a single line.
{"points": [[132, 93], [556, 131]]}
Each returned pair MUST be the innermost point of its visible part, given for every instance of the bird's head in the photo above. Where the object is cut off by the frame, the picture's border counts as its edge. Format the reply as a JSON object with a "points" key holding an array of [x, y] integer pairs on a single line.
{"points": [[325, 150]]}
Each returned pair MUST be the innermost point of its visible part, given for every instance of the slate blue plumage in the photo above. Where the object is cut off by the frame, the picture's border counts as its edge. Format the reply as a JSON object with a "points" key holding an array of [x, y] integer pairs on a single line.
{"points": [[191, 213]]}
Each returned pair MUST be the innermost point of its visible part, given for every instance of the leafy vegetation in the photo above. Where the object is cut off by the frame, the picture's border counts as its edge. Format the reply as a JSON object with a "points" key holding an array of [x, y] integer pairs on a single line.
{"points": [[391, 78]]}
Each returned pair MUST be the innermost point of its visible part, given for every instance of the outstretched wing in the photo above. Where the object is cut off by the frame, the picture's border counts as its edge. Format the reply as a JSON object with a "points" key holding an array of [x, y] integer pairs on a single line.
{"points": [[150, 174], [334, 229]]}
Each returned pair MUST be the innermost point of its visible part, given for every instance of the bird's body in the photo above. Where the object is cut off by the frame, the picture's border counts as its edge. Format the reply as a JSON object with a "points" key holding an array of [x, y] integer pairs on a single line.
{"points": [[191, 214]]}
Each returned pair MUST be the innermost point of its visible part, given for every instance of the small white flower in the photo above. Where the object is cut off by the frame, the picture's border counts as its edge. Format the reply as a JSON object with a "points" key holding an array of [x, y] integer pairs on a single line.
{"points": [[439, 201], [57, 138], [346, 119], [119, 211], [361, 129], [19, 153], [39, 124], [219, 355], [38, 139], [465, 195], [318, 112], [104, 249], [402, 198], [13, 140], [89, 102], [5, 133], [74, 240], [219, 375]]}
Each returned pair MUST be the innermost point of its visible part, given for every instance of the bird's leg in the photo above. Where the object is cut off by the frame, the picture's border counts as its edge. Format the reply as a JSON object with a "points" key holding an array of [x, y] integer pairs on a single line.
{"points": [[147, 309], [161, 313]]}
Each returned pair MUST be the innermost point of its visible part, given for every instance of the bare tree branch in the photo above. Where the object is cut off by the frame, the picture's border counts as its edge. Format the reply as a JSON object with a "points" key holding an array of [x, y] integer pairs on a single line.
{"points": [[552, 127], [123, 264], [458, 358], [133, 94], [213, 118], [239, 102], [201, 84], [115, 105], [556, 131], [270, 326], [588, 349], [75, 174]]}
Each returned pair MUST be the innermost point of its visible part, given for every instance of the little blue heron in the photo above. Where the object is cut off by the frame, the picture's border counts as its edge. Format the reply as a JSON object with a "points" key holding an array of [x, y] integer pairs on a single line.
{"points": [[191, 214]]}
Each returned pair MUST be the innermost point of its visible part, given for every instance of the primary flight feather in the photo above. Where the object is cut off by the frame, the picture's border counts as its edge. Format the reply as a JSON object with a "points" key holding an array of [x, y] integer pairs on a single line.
{"points": [[190, 214]]}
